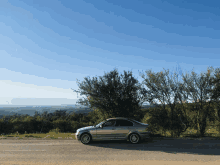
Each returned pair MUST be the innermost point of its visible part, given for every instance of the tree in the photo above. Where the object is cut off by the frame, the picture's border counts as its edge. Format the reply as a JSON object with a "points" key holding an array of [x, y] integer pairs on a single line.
{"points": [[165, 89], [216, 92], [44, 122], [216, 83], [199, 90], [5, 125], [113, 95]]}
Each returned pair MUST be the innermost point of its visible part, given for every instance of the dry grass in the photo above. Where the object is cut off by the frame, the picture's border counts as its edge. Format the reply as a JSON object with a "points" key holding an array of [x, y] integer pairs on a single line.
{"points": [[210, 132], [50, 135], [192, 133]]}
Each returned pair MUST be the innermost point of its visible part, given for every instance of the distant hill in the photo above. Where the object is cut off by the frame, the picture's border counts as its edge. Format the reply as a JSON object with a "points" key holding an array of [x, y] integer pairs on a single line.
{"points": [[30, 110]]}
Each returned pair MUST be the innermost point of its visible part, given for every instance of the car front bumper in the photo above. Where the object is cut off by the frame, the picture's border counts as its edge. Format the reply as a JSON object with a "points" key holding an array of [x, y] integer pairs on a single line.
{"points": [[77, 136]]}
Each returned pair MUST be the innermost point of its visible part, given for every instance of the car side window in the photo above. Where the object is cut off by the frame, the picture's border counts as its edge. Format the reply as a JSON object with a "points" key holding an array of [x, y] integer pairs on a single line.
{"points": [[109, 123], [123, 123]]}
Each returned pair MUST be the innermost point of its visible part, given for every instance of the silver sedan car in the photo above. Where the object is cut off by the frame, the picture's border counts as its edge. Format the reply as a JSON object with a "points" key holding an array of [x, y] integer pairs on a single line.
{"points": [[114, 129]]}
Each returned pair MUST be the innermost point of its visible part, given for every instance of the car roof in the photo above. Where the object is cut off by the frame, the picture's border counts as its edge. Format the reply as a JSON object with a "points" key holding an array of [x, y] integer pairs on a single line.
{"points": [[120, 118], [117, 118], [134, 121]]}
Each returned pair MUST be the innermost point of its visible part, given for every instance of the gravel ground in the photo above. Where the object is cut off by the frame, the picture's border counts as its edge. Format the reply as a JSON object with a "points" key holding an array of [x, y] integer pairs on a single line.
{"points": [[67, 151]]}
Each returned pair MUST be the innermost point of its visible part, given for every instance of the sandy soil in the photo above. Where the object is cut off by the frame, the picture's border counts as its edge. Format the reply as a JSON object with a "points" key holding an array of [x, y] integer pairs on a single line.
{"points": [[131, 162]]}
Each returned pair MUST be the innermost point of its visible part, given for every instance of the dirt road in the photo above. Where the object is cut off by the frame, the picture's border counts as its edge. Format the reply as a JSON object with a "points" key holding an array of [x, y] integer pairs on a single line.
{"points": [[154, 151]]}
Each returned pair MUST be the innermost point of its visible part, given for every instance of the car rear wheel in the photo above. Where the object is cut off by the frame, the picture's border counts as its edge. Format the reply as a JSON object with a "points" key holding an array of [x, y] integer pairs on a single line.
{"points": [[85, 138], [134, 138]]}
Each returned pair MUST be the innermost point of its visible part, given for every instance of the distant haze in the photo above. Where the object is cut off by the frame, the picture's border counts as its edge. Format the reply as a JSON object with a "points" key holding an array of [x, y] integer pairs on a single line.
{"points": [[41, 101]]}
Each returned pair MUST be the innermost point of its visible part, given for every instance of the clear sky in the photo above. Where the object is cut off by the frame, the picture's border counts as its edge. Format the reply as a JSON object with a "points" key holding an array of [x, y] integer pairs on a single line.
{"points": [[45, 45]]}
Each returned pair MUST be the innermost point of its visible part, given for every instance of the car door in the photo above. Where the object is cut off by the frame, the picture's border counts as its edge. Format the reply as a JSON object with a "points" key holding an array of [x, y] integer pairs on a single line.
{"points": [[122, 128], [107, 132]]}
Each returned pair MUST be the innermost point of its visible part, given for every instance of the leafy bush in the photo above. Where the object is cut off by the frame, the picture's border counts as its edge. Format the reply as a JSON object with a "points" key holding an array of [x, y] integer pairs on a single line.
{"points": [[57, 130], [158, 119]]}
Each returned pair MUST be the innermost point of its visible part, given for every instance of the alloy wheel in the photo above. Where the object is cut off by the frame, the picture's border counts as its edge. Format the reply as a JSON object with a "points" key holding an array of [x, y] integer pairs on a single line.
{"points": [[85, 139], [134, 138]]}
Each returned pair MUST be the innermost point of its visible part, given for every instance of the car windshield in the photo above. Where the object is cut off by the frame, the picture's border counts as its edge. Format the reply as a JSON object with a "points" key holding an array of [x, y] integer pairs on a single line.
{"points": [[99, 124]]}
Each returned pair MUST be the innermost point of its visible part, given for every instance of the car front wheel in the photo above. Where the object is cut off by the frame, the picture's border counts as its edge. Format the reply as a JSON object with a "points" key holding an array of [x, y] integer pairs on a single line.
{"points": [[85, 138], [134, 138]]}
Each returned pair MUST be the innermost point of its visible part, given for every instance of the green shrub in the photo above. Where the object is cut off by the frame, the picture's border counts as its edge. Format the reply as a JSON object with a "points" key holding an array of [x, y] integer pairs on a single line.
{"points": [[57, 130]]}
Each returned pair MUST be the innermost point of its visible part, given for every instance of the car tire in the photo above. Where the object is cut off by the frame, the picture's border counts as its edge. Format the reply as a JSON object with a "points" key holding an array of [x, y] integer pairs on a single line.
{"points": [[85, 138], [134, 138]]}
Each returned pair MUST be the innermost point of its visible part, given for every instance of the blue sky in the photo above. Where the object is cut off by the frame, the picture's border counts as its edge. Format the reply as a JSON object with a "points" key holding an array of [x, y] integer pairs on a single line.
{"points": [[46, 45]]}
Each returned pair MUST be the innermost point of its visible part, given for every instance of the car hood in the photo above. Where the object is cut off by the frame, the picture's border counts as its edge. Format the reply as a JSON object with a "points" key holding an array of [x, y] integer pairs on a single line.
{"points": [[86, 128]]}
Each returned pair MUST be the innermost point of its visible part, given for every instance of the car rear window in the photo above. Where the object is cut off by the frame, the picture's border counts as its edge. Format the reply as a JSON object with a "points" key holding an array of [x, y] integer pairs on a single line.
{"points": [[123, 123], [136, 121]]}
